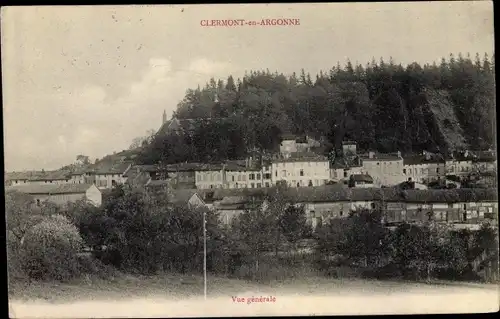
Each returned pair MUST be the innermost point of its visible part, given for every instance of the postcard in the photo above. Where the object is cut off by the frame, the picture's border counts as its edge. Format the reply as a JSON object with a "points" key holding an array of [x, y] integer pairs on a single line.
{"points": [[250, 159]]}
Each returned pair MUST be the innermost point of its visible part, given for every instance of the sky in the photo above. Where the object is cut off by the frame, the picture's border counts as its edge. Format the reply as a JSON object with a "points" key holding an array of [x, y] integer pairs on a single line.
{"points": [[89, 79]]}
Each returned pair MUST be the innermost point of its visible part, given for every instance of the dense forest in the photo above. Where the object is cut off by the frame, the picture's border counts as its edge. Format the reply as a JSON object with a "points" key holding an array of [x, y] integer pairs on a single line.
{"points": [[383, 106]]}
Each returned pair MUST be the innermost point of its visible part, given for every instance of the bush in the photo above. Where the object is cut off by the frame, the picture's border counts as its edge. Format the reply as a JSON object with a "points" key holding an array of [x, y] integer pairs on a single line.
{"points": [[50, 249]]}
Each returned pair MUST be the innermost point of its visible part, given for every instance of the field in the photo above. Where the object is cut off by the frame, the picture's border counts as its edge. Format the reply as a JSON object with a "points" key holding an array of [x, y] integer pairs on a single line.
{"points": [[181, 296]]}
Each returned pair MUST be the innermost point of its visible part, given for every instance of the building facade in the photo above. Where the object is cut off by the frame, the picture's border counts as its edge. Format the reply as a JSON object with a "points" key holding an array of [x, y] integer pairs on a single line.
{"points": [[61, 194], [385, 169], [301, 170]]}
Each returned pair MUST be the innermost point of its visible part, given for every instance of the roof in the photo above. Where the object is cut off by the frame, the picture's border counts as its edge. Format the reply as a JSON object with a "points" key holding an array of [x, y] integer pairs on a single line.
{"points": [[109, 167], [347, 162], [289, 137], [442, 195], [362, 178], [158, 183], [135, 169], [302, 157], [340, 193], [182, 196], [380, 157], [484, 156], [191, 167], [51, 188], [349, 143], [421, 159], [39, 175]]}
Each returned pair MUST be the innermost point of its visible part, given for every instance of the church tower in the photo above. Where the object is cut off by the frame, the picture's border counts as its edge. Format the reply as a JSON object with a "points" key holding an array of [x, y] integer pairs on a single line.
{"points": [[164, 119]]}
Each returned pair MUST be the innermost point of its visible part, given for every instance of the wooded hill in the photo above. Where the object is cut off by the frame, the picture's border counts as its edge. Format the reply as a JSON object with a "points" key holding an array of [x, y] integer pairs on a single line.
{"points": [[382, 105]]}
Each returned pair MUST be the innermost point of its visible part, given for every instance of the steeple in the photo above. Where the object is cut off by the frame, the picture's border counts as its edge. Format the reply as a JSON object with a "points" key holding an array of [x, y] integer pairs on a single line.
{"points": [[164, 120]]}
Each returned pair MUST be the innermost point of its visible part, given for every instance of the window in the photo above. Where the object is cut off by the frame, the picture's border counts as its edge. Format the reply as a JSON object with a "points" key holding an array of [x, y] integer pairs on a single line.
{"points": [[409, 171], [310, 183], [437, 170], [252, 177], [276, 173], [341, 213], [232, 178], [259, 185], [404, 170], [267, 184], [345, 174], [38, 202], [301, 172], [258, 176], [211, 186], [252, 185], [335, 174], [267, 176], [465, 206]]}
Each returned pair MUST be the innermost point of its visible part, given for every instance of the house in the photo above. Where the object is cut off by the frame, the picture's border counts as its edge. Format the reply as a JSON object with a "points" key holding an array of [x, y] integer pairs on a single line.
{"points": [[77, 176], [140, 175], [182, 175], [301, 170], [291, 143], [230, 203], [455, 206], [236, 175], [61, 194], [385, 169], [349, 148], [459, 163], [39, 177], [190, 198], [484, 161], [361, 180], [17, 178], [424, 168], [209, 176], [107, 174], [343, 167]]}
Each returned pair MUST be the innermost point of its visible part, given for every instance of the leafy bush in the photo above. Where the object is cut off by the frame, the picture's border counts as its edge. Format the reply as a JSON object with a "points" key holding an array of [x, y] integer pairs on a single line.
{"points": [[50, 249]]}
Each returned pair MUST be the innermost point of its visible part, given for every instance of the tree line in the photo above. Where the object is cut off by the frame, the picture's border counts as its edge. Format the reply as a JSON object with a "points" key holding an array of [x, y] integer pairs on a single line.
{"points": [[139, 231], [382, 105]]}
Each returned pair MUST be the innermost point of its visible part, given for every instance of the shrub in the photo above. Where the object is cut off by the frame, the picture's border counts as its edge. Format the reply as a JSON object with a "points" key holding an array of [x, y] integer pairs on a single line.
{"points": [[50, 249]]}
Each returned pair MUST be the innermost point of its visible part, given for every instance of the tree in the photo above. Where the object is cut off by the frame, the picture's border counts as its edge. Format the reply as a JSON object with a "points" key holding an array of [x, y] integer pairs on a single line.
{"points": [[50, 249], [255, 229], [293, 223], [20, 216], [361, 238], [83, 159]]}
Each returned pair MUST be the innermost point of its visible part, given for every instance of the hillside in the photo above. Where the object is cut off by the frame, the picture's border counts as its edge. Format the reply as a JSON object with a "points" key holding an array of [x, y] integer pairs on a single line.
{"points": [[382, 106]]}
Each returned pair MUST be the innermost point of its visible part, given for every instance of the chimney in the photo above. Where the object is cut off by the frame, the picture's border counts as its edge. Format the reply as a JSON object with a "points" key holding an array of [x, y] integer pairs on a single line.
{"points": [[371, 154], [164, 118], [427, 156], [399, 154], [466, 153]]}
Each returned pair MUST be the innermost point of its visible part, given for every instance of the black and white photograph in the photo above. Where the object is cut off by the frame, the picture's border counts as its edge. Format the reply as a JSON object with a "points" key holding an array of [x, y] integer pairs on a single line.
{"points": [[240, 160]]}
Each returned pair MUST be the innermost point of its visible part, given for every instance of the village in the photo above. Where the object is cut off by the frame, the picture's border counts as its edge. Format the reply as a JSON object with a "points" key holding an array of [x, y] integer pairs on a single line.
{"points": [[459, 189]]}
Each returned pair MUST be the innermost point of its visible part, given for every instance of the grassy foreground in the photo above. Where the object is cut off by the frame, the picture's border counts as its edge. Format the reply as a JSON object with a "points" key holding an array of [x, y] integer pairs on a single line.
{"points": [[179, 287]]}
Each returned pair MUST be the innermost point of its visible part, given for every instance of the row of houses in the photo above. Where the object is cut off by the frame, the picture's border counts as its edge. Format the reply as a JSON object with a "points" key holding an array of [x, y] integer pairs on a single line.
{"points": [[459, 207], [299, 169]]}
